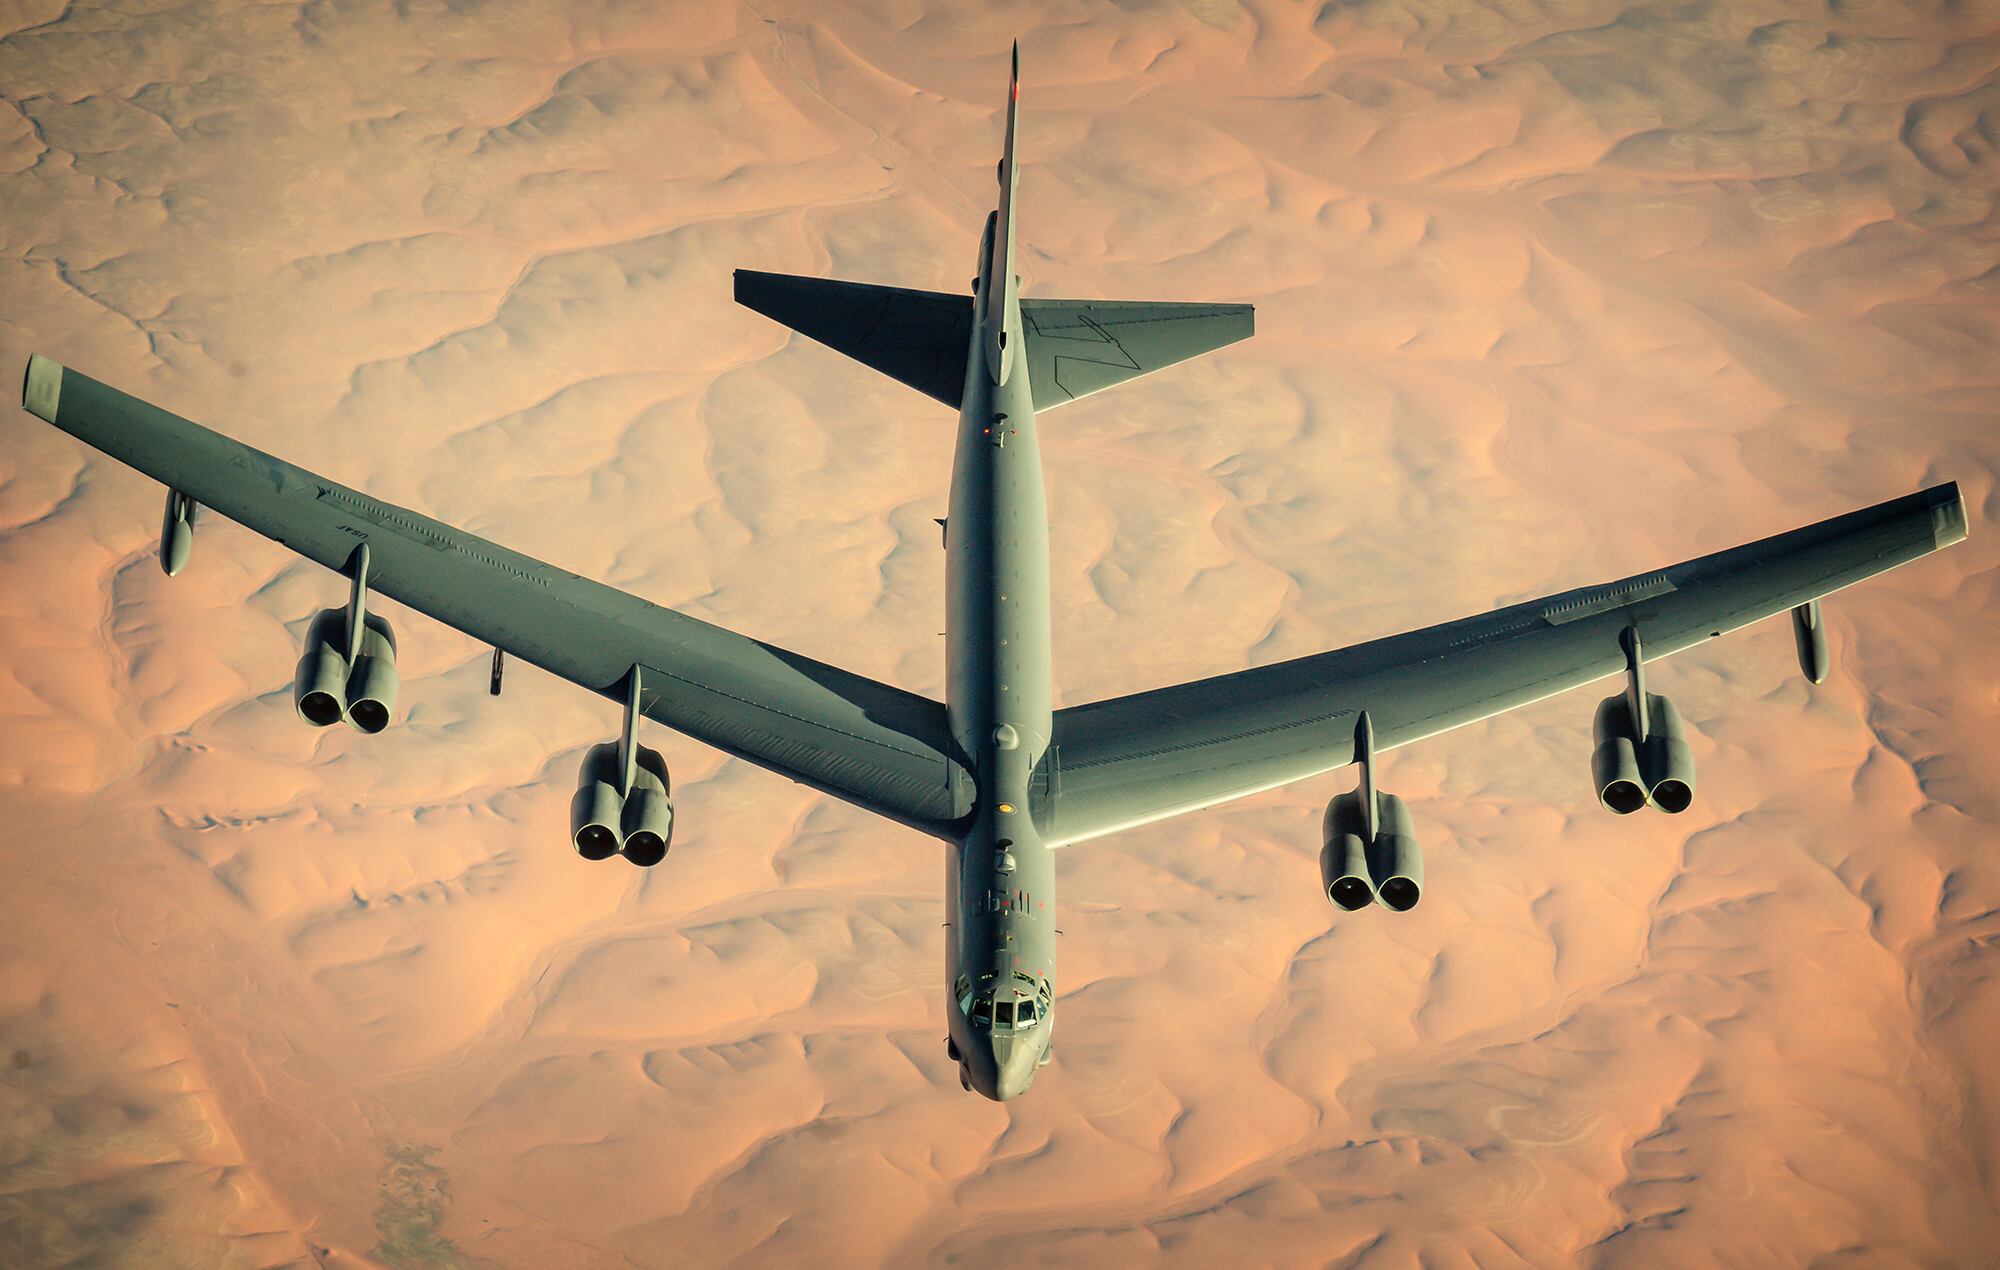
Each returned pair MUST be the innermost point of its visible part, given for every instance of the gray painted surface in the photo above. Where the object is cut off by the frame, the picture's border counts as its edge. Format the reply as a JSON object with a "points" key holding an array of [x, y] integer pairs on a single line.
{"points": [[1156, 754], [992, 771]]}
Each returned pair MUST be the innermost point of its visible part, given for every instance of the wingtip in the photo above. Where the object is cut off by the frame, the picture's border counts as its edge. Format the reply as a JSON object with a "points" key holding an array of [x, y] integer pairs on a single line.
{"points": [[1947, 514], [1014, 75], [41, 389]]}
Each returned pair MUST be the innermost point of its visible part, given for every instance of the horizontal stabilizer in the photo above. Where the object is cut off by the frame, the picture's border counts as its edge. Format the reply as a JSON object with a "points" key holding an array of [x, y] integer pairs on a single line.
{"points": [[919, 338], [1077, 347]]}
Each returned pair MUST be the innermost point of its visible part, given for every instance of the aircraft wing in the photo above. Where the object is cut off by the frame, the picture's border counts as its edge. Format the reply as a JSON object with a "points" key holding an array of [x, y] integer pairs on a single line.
{"points": [[1124, 762], [1078, 347], [878, 747]]}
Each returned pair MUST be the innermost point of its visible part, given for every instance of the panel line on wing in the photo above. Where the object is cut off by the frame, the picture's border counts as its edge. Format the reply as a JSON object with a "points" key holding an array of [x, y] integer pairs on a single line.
{"points": [[1603, 599]]}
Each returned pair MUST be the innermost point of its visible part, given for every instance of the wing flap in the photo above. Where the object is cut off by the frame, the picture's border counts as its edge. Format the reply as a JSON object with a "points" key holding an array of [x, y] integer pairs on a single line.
{"points": [[1144, 757], [1078, 347], [884, 749]]}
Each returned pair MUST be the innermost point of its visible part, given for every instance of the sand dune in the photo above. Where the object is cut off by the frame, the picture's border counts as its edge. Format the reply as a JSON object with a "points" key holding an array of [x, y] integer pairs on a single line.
{"points": [[1547, 295]]}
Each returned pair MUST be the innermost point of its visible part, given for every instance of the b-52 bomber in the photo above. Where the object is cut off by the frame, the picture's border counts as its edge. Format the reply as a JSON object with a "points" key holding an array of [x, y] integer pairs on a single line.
{"points": [[993, 771]]}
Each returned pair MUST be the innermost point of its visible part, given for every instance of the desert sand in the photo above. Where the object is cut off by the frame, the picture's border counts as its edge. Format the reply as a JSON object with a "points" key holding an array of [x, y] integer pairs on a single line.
{"points": [[1547, 295]]}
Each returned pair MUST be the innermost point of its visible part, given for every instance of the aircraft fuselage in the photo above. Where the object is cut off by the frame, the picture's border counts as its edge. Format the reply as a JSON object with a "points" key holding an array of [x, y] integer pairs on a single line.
{"points": [[1000, 879]]}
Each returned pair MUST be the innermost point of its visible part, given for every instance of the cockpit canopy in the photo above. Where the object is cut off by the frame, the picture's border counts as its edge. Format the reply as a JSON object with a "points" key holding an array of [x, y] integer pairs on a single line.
{"points": [[1018, 1003]]}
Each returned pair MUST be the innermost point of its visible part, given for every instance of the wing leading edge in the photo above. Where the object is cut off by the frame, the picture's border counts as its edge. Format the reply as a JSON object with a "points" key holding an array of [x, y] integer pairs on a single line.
{"points": [[873, 745], [1127, 761]]}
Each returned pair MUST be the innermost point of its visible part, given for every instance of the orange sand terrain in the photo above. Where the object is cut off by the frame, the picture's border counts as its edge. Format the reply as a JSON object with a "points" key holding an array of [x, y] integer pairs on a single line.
{"points": [[1548, 294]]}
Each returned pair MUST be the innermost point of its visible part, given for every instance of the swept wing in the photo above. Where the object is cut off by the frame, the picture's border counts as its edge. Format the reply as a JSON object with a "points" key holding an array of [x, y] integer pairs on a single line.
{"points": [[873, 745], [1144, 757]]}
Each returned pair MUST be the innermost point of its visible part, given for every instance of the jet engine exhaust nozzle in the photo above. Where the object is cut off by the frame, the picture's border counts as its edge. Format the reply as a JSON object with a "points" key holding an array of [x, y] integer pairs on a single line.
{"points": [[638, 825], [1631, 771], [1667, 761], [1356, 871], [327, 688], [1395, 861]]}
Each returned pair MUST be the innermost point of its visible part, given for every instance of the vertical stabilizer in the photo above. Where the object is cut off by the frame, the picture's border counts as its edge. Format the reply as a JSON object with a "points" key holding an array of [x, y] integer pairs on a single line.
{"points": [[1001, 307]]}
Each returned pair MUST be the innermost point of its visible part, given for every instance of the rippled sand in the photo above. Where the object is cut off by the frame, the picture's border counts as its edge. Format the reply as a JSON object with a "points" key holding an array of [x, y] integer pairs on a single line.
{"points": [[1547, 295]]}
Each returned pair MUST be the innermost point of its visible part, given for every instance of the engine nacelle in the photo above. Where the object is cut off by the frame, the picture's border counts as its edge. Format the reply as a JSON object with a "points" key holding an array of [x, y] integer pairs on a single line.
{"points": [[1395, 861], [371, 682], [319, 689], [1614, 765], [596, 813], [1666, 761], [1343, 869], [603, 823], [649, 812], [326, 689], [1356, 871], [1630, 771]]}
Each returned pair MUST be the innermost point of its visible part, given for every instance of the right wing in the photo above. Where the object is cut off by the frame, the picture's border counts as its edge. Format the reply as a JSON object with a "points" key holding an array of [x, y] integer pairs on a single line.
{"points": [[1078, 347], [1114, 764], [878, 747]]}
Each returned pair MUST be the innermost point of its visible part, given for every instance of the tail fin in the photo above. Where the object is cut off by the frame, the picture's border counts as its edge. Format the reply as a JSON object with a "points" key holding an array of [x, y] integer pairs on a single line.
{"points": [[1002, 288], [923, 338]]}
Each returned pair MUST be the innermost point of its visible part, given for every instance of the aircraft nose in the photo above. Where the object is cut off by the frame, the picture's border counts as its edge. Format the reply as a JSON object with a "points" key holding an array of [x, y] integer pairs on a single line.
{"points": [[1014, 1066]]}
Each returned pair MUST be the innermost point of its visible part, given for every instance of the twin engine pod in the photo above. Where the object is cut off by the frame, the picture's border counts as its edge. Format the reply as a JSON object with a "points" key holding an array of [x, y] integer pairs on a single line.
{"points": [[1642, 761], [330, 686], [605, 821], [1357, 870]]}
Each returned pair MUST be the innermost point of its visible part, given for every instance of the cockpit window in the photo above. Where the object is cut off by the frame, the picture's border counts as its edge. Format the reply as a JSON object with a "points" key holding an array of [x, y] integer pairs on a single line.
{"points": [[1025, 1017], [1003, 1014], [982, 1010]]}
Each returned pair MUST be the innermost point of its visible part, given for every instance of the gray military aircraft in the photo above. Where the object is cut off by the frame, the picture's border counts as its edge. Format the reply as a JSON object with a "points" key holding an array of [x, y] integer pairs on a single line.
{"points": [[993, 771]]}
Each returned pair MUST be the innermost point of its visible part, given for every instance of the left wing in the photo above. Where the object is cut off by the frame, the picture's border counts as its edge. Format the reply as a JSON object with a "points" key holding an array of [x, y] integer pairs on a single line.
{"points": [[919, 338], [873, 745], [1114, 764]]}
